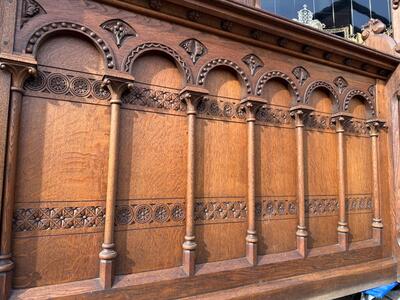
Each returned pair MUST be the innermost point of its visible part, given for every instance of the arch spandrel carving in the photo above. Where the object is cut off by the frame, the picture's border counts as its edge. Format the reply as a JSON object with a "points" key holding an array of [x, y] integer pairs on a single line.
{"points": [[218, 62], [146, 47], [271, 75], [48, 30]]}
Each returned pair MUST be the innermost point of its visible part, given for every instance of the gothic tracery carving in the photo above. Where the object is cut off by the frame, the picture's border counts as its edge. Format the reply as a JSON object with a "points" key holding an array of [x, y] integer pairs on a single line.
{"points": [[301, 74], [120, 30], [253, 62], [341, 84]]}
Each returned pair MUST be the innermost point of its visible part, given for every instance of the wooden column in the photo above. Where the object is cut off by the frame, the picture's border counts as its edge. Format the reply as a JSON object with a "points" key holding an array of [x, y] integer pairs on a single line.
{"points": [[251, 105], [377, 226], [343, 229], [299, 113], [20, 67], [117, 83], [191, 95]]}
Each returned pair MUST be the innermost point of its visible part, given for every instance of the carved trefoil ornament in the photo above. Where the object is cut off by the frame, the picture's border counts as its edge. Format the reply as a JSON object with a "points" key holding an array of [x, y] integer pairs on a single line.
{"points": [[306, 17], [119, 29], [30, 9], [341, 84], [194, 48], [301, 74], [253, 62]]}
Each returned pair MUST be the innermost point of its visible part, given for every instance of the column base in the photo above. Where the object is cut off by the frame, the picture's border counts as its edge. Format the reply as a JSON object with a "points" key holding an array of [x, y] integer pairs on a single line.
{"points": [[302, 245], [106, 273], [251, 253], [343, 240], [189, 262]]}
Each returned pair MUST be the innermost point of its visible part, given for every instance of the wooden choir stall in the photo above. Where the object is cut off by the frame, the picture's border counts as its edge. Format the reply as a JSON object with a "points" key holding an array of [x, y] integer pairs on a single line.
{"points": [[165, 149]]}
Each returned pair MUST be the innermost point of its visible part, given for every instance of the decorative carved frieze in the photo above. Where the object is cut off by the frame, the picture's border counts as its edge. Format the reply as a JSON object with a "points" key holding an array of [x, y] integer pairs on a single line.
{"points": [[274, 116], [319, 122], [30, 9], [322, 206], [271, 208], [120, 30], [354, 93], [301, 74], [67, 84], [253, 62], [357, 127], [359, 203], [220, 210], [62, 26], [341, 84], [33, 219], [157, 47], [194, 48], [277, 75], [154, 99], [223, 62]]}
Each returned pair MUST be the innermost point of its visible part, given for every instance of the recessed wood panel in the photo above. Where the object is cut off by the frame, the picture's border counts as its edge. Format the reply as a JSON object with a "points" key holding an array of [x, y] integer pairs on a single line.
{"points": [[276, 236]]}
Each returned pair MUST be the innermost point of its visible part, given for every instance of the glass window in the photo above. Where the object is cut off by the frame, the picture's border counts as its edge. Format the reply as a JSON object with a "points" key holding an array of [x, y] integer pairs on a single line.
{"points": [[342, 13], [381, 10], [324, 12], [286, 8], [361, 13], [268, 5]]}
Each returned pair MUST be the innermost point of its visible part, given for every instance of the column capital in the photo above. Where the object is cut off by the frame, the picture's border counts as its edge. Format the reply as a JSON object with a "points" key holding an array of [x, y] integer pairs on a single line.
{"points": [[299, 112], [251, 105], [20, 66], [375, 125], [117, 83], [340, 119], [192, 95]]}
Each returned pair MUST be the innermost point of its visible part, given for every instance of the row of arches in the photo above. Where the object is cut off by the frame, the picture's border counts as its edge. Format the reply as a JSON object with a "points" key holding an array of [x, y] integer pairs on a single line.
{"points": [[173, 70]]}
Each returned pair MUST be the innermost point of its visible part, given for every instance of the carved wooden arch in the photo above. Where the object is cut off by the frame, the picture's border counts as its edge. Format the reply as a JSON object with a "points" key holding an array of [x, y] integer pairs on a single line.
{"points": [[277, 75], [48, 30], [354, 93], [324, 85], [146, 47], [201, 78]]}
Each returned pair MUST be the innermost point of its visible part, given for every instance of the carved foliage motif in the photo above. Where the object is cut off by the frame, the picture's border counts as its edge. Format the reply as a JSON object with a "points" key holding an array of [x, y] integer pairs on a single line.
{"points": [[320, 207], [159, 47], [30, 9], [279, 75], [319, 122], [267, 209], [59, 26], [70, 85], [223, 210], [223, 62], [301, 74], [253, 62], [32, 219], [220, 109], [320, 84], [359, 203], [357, 127], [354, 93], [274, 116], [194, 48], [119, 29], [341, 84]]}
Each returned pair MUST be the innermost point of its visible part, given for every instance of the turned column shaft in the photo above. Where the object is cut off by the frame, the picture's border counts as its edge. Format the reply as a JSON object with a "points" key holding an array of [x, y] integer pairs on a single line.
{"points": [[301, 227], [189, 246], [377, 225], [342, 228]]}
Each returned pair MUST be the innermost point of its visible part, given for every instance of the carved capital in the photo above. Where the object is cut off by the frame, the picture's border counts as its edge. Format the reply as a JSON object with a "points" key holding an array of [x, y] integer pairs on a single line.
{"points": [[19, 66], [374, 126], [251, 105], [192, 95], [117, 83], [299, 113], [340, 119]]}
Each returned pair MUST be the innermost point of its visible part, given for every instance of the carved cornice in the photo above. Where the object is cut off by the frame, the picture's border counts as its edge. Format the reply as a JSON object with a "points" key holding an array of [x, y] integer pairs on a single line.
{"points": [[19, 66], [135, 53], [46, 30], [270, 31]]}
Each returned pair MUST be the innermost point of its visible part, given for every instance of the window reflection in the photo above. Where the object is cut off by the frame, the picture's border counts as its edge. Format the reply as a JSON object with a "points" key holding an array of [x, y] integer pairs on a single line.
{"points": [[334, 13]]}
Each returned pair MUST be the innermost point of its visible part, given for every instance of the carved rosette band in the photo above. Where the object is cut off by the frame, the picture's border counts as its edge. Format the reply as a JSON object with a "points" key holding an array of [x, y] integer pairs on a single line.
{"points": [[191, 96], [117, 83], [251, 105], [375, 125], [20, 68], [299, 113]]}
